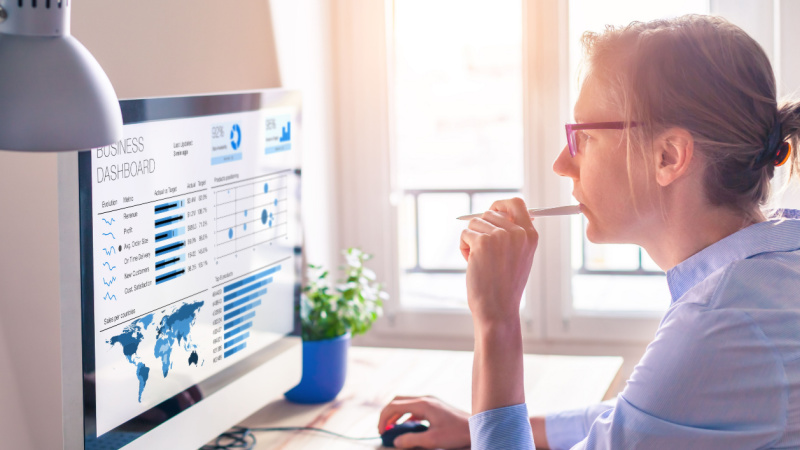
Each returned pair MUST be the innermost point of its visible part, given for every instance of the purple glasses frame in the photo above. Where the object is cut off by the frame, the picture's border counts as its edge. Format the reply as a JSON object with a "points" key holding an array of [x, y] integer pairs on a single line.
{"points": [[571, 128]]}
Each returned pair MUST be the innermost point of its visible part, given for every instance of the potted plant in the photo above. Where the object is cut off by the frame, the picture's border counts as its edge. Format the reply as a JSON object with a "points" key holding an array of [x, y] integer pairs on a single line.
{"points": [[329, 317]]}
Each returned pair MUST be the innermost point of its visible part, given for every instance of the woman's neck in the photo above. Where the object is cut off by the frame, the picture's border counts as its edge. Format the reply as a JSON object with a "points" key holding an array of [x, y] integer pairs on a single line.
{"points": [[688, 229]]}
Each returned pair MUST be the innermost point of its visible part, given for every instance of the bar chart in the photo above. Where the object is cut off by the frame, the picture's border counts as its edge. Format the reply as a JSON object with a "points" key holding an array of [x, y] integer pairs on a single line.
{"points": [[279, 135], [252, 214], [167, 256], [170, 234], [241, 298]]}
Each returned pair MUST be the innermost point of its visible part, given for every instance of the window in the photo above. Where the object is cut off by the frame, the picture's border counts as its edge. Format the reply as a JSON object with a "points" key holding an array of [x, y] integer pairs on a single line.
{"points": [[615, 277], [471, 98], [457, 96]]}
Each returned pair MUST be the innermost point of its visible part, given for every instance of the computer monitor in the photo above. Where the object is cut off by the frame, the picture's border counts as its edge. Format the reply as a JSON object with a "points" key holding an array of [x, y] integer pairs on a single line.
{"points": [[190, 268]]}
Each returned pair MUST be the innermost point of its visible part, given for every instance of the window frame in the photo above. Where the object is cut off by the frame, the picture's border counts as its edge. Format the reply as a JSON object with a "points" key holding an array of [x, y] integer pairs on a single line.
{"points": [[550, 88], [363, 112]]}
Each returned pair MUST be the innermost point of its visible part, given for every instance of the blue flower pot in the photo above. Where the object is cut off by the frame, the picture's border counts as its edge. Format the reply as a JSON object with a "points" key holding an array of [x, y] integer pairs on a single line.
{"points": [[324, 371]]}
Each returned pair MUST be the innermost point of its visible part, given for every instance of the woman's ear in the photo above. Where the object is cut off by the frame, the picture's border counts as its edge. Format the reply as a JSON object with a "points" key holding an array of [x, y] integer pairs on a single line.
{"points": [[674, 153]]}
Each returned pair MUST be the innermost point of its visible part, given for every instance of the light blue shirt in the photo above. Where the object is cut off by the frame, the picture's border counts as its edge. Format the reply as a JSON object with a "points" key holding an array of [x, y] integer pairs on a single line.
{"points": [[723, 371]]}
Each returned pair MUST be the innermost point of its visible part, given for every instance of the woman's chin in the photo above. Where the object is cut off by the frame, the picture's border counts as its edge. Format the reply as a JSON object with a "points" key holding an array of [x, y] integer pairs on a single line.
{"points": [[592, 235], [596, 235]]}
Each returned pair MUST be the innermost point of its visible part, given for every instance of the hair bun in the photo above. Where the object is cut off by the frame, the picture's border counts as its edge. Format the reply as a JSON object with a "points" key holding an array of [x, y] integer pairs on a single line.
{"points": [[775, 150]]}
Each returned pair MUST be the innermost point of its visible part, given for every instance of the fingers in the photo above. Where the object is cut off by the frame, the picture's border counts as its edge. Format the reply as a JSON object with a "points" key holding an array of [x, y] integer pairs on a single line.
{"points": [[516, 209], [482, 225], [469, 240], [497, 219], [489, 223], [464, 246], [390, 413], [417, 406], [423, 439]]}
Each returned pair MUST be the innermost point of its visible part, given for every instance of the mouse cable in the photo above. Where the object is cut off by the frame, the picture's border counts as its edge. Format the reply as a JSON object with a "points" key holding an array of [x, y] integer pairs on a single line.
{"points": [[241, 437]]}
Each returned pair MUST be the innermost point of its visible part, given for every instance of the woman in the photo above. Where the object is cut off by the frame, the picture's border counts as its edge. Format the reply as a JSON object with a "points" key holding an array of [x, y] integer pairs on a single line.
{"points": [[679, 135]]}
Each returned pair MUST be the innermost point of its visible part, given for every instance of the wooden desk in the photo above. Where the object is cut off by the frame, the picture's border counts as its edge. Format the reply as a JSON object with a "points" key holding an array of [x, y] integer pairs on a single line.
{"points": [[376, 375]]}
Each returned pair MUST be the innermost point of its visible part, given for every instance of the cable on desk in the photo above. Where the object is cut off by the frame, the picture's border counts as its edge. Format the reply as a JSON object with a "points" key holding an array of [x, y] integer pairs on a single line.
{"points": [[237, 437], [240, 437]]}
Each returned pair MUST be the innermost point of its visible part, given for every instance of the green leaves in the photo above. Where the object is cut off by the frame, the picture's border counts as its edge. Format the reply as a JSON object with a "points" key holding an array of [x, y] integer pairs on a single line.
{"points": [[353, 305]]}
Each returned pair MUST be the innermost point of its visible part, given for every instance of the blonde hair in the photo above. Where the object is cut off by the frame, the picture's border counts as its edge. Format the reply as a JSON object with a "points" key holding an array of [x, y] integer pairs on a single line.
{"points": [[709, 77]]}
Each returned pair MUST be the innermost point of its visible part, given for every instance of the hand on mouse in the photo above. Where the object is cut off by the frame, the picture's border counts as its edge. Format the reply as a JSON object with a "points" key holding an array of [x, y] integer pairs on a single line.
{"points": [[449, 427]]}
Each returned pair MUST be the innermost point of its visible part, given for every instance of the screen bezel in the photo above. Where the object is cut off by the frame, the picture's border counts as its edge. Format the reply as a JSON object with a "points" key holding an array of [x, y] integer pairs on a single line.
{"points": [[160, 109]]}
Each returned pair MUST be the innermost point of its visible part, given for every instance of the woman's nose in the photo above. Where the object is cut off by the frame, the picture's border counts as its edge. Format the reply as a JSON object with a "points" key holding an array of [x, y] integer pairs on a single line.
{"points": [[565, 165]]}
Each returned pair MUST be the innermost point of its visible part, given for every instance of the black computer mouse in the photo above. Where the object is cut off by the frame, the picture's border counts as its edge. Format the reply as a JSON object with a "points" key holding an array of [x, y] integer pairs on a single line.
{"points": [[406, 427]]}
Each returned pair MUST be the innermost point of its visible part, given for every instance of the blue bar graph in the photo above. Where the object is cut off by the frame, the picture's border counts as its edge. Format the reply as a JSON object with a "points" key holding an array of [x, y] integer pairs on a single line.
{"points": [[168, 220], [239, 320], [244, 300], [241, 299], [242, 310], [164, 263], [248, 289], [250, 279], [286, 132], [170, 234], [238, 330], [169, 206], [238, 348], [170, 276], [237, 339], [164, 249]]}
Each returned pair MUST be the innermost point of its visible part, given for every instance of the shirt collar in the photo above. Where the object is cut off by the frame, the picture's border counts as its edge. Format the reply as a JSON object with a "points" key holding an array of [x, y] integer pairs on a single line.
{"points": [[776, 235]]}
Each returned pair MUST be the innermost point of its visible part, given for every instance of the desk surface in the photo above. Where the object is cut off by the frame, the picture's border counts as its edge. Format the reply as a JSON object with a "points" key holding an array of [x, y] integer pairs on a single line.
{"points": [[376, 375]]}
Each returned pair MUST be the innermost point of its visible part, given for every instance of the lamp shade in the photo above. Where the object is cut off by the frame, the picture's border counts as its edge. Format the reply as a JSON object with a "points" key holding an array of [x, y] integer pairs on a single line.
{"points": [[54, 96]]}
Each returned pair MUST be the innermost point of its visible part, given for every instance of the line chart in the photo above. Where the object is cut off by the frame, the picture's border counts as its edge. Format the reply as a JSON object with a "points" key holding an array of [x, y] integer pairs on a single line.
{"points": [[110, 234], [110, 250], [110, 267], [109, 283], [107, 222], [109, 297]]}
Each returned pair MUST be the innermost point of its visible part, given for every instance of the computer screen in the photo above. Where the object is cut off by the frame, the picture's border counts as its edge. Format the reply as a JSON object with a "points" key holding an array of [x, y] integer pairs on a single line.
{"points": [[190, 243]]}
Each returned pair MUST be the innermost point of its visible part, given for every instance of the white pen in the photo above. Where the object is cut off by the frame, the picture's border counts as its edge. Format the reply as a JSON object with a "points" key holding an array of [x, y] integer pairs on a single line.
{"points": [[540, 212]]}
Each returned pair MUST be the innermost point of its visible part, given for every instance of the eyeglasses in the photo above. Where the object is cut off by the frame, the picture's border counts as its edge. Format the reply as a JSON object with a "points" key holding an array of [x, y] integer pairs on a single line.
{"points": [[574, 143]]}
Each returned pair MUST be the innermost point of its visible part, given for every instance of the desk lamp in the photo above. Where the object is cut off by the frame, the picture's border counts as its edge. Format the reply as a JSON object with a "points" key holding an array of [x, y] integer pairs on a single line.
{"points": [[54, 96]]}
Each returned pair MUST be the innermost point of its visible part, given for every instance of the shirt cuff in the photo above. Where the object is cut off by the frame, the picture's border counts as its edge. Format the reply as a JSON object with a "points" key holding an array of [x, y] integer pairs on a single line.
{"points": [[567, 428], [506, 428]]}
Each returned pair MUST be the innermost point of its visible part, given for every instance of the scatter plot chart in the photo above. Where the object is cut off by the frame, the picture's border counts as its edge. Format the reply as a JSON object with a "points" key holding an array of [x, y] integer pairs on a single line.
{"points": [[251, 214]]}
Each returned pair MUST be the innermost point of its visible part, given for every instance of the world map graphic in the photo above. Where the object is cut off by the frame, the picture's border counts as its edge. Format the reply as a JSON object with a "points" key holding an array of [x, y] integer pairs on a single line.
{"points": [[174, 329]]}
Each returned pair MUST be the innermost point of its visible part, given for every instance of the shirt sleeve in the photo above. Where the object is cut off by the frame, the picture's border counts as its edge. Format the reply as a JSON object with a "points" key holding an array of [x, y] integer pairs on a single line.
{"points": [[567, 428], [710, 379], [507, 428]]}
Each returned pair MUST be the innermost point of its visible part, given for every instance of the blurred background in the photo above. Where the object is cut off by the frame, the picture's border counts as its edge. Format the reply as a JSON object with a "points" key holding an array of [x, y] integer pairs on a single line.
{"points": [[418, 111], [414, 112]]}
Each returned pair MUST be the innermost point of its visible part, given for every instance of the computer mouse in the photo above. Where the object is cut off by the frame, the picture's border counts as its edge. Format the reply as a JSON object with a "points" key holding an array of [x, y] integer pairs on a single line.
{"points": [[406, 427]]}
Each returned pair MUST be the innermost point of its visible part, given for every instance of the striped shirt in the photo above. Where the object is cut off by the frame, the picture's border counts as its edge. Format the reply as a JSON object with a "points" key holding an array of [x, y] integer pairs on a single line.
{"points": [[723, 371]]}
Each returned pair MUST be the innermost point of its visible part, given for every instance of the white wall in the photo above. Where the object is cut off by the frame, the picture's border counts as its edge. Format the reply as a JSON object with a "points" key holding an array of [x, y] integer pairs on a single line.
{"points": [[29, 299], [303, 41], [13, 429], [29, 310], [153, 48], [148, 48]]}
